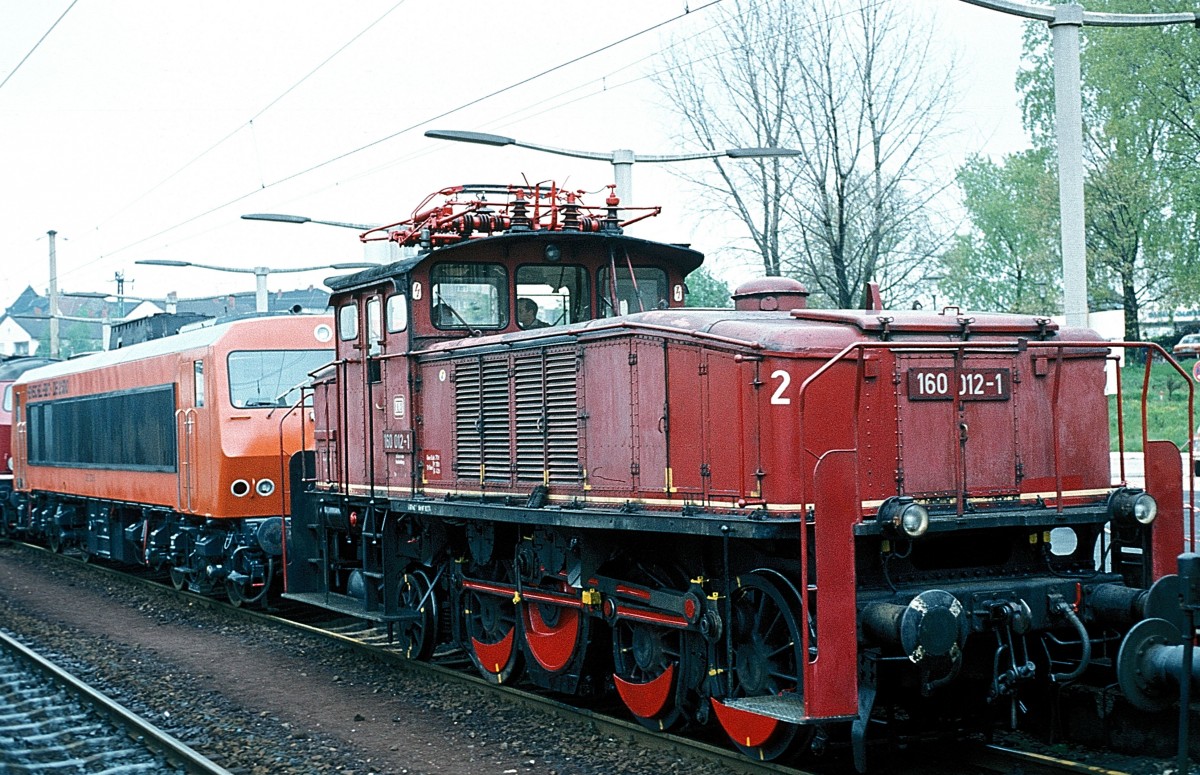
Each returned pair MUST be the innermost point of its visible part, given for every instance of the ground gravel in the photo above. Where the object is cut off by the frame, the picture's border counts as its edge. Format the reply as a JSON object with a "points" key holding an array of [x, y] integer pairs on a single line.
{"points": [[262, 700]]}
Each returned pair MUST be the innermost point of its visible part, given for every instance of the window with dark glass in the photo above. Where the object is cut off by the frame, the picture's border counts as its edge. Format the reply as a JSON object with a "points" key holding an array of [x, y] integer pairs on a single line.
{"points": [[271, 378], [558, 294], [643, 289], [469, 296], [198, 370]]}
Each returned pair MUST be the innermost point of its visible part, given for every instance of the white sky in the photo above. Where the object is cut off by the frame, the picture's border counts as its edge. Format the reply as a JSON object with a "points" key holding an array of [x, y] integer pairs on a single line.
{"points": [[97, 124]]}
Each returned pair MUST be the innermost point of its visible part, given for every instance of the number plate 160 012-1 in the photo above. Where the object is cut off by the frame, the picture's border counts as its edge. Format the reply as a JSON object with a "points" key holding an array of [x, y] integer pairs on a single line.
{"points": [[971, 384]]}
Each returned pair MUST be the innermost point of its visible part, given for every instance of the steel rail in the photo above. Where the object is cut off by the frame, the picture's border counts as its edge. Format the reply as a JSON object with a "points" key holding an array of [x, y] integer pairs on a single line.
{"points": [[176, 752]]}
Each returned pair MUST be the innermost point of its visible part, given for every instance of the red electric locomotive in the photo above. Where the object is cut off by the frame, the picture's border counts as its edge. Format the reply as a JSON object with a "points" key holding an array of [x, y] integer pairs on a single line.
{"points": [[10, 368], [170, 453], [772, 518]]}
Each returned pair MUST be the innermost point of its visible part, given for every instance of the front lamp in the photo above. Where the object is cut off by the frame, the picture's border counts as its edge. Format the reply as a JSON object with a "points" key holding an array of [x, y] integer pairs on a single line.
{"points": [[1130, 505], [905, 515]]}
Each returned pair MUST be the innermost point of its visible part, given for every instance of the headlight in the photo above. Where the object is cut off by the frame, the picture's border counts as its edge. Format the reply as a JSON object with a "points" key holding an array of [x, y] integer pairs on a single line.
{"points": [[906, 515], [264, 487], [1132, 505]]}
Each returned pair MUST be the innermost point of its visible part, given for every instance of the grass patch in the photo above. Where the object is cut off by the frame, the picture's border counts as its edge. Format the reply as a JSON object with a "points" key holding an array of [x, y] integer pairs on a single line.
{"points": [[1166, 410]]}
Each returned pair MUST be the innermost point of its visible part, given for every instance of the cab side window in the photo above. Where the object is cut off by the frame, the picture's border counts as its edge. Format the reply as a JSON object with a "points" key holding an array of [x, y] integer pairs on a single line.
{"points": [[348, 322], [397, 313], [643, 289], [469, 296]]}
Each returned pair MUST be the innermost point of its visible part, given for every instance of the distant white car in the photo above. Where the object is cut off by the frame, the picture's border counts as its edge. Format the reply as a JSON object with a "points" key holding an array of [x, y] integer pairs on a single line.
{"points": [[1187, 347]]}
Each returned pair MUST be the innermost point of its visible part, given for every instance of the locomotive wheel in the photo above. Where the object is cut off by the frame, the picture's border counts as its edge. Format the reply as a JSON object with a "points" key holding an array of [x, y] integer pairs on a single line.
{"points": [[491, 625], [417, 636], [646, 667], [241, 593], [551, 633], [767, 662], [54, 541], [179, 579], [246, 593]]}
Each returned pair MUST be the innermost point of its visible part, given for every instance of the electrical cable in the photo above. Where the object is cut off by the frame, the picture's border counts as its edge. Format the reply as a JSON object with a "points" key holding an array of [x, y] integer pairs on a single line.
{"points": [[250, 122], [35, 45], [393, 135]]}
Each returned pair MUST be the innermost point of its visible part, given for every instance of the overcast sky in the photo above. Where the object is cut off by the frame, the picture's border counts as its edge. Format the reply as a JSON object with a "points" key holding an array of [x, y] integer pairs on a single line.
{"points": [[143, 129]]}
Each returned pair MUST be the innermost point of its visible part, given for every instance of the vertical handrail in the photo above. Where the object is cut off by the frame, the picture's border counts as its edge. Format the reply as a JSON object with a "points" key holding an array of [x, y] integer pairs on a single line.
{"points": [[1055, 392], [1120, 419]]}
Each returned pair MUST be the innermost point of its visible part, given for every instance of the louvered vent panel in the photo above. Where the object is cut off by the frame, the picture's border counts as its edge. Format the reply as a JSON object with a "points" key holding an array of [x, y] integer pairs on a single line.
{"points": [[562, 417], [497, 426], [467, 447], [530, 413], [547, 417]]}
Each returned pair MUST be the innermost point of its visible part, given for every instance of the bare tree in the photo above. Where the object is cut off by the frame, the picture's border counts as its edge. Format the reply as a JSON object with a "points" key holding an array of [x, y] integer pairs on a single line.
{"points": [[854, 89]]}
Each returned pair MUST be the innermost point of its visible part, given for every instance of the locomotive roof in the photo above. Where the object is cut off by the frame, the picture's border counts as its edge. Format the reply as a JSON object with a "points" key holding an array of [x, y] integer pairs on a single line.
{"points": [[199, 337], [677, 255], [11, 368]]}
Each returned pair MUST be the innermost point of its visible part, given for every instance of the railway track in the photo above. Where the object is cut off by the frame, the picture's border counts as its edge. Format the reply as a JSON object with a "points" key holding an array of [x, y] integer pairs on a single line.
{"points": [[50, 721], [454, 667]]}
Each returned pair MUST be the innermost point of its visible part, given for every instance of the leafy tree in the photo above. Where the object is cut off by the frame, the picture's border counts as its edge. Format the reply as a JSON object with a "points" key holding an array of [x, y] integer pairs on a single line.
{"points": [[706, 290], [853, 88], [1140, 146], [1010, 258]]}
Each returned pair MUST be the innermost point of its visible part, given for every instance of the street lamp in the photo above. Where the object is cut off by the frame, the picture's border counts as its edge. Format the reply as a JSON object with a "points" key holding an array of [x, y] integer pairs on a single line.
{"points": [[282, 218], [621, 159], [260, 273], [1065, 20]]}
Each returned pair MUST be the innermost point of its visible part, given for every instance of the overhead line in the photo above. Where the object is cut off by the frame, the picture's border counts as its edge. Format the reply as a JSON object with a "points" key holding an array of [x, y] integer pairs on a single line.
{"points": [[410, 128], [250, 121], [35, 45]]}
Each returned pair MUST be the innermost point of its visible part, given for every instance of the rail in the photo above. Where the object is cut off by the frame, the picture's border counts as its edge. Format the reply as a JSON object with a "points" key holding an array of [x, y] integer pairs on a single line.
{"points": [[147, 735]]}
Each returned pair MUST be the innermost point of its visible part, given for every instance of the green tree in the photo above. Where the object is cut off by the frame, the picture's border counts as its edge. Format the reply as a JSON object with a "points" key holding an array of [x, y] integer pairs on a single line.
{"points": [[706, 290], [1009, 260], [1140, 146]]}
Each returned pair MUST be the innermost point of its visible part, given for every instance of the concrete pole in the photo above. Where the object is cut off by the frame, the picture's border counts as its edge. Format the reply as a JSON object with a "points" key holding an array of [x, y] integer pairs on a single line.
{"points": [[260, 289], [1068, 19], [53, 297], [622, 161]]}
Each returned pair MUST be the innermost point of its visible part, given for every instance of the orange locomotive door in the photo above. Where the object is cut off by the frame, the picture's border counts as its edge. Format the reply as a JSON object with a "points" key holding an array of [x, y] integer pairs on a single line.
{"points": [[956, 425]]}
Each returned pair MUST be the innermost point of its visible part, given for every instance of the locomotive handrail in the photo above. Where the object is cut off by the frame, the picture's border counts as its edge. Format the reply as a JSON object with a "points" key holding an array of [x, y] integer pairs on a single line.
{"points": [[846, 517], [185, 463], [1060, 346]]}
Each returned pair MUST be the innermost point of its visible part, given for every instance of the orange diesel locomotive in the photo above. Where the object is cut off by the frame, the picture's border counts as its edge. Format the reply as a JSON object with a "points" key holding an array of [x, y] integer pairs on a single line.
{"points": [[169, 454]]}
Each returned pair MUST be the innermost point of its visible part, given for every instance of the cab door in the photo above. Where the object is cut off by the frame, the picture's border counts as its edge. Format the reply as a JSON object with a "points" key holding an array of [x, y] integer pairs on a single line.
{"points": [[396, 462]]}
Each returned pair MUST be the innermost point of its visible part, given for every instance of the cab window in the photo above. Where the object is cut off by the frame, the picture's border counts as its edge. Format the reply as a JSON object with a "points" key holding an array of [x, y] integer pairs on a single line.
{"points": [[469, 296], [560, 293], [374, 326], [348, 322], [645, 289], [397, 313]]}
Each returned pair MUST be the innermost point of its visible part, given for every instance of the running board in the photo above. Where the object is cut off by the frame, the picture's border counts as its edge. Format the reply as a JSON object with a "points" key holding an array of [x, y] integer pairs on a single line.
{"points": [[782, 707], [348, 605]]}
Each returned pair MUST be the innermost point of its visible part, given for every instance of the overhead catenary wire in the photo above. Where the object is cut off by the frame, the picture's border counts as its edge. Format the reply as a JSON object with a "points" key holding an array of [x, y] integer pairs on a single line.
{"points": [[35, 45], [416, 125], [249, 123]]}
